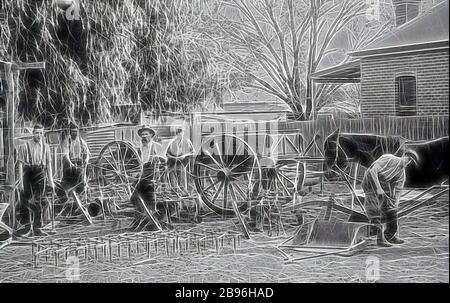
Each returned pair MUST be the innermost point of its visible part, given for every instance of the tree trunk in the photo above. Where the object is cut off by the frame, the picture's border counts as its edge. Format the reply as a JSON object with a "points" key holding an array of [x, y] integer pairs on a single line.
{"points": [[297, 110]]}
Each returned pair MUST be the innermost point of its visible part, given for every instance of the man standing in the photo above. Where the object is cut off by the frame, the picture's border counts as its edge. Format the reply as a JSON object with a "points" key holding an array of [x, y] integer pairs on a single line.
{"points": [[382, 184], [75, 160], [148, 145], [35, 173], [178, 156]]}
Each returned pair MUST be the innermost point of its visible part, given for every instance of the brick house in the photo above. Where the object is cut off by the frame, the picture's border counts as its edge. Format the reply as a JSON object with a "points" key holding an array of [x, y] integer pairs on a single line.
{"points": [[404, 73]]}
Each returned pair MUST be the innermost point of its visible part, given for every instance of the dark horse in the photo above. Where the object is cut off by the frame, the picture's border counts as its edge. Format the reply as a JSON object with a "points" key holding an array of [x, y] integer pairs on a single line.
{"points": [[342, 148]]}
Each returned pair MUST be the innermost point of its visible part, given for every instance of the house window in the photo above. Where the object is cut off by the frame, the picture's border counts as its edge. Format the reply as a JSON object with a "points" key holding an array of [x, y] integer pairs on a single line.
{"points": [[406, 95]]}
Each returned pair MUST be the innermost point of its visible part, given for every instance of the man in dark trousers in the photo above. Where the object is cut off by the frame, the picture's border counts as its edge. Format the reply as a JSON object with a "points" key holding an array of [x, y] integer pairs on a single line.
{"points": [[75, 160], [35, 174], [383, 183], [148, 213]]}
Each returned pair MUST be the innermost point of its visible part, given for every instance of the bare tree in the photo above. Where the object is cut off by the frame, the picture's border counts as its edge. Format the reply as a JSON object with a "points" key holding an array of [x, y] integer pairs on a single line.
{"points": [[280, 44]]}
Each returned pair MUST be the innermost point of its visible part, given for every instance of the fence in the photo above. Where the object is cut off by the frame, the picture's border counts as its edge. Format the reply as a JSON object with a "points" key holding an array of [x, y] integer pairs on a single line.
{"points": [[412, 128], [417, 128]]}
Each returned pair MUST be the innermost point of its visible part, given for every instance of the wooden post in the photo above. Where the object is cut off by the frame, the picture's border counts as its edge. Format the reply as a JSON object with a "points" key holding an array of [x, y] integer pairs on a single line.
{"points": [[11, 73], [355, 176], [10, 129]]}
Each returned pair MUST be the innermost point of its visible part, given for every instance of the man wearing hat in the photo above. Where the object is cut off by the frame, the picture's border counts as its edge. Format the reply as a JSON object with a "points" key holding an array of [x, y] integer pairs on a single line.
{"points": [[143, 197], [383, 183], [35, 174], [75, 160], [148, 145]]}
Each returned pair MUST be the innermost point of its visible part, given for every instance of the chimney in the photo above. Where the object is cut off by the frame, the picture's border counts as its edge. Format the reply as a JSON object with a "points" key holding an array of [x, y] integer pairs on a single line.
{"points": [[405, 10]]}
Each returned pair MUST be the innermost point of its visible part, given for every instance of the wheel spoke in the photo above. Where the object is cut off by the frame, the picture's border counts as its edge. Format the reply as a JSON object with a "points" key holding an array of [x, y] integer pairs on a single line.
{"points": [[225, 195], [109, 170], [212, 158], [112, 165], [213, 184], [287, 179], [239, 190], [233, 195], [112, 154], [207, 166], [238, 165], [203, 177], [241, 146], [283, 185], [218, 192], [220, 154], [251, 175]]}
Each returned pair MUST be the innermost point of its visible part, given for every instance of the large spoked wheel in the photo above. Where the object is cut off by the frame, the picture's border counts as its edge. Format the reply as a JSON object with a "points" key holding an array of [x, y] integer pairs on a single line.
{"points": [[281, 178], [119, 168], [227, 174], [282, 175]]}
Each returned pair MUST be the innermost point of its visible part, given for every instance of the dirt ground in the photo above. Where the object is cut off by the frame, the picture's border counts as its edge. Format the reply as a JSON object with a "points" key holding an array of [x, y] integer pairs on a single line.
{"points": [[423, 258]]}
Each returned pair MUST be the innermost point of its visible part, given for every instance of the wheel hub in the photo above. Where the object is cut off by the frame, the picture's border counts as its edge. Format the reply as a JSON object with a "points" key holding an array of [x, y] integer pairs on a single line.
{"points": [[224, 174]]}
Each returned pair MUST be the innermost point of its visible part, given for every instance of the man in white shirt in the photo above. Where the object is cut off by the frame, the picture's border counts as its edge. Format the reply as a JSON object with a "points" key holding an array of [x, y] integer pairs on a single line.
{"points": [[178, 155], [75, 160], [35, 174], [383, 183]]}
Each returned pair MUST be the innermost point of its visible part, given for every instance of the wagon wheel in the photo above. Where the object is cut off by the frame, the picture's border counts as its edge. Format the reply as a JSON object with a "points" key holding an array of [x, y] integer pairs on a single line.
{"points": [[118, 168], [282, 175], [227, 174]]}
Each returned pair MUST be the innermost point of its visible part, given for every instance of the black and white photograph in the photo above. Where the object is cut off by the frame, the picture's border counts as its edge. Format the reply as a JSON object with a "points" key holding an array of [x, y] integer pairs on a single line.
{"points": [[225, 142]]}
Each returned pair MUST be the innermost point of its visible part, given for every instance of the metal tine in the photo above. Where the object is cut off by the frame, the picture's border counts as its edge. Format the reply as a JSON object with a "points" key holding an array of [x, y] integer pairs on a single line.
{"points": [[110, 249], [149, 249], [86, 253], [55, 253], [166, 246]]}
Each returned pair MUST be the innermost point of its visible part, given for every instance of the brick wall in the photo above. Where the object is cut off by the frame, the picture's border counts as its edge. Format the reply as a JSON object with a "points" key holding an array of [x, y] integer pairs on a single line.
{"points": [[378, 82]]}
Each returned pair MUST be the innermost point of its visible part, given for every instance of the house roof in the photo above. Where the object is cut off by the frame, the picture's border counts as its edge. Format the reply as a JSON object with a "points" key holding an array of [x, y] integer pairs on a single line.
{"points": [[429, 30], [255, 107], [343, 73]]}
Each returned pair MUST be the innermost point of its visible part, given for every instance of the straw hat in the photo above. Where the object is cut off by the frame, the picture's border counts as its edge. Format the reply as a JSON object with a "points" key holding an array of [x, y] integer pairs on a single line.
{"points": [[146, 128]]}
